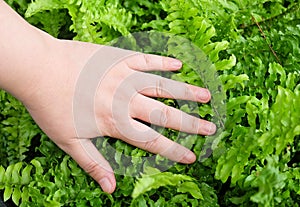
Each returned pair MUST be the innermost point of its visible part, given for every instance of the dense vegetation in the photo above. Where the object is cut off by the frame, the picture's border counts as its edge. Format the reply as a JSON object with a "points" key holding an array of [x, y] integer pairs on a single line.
{"points": [[253, 45]]}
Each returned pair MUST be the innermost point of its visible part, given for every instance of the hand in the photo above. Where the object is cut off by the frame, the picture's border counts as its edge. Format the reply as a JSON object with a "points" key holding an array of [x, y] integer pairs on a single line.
{"points": [[88, 90]]}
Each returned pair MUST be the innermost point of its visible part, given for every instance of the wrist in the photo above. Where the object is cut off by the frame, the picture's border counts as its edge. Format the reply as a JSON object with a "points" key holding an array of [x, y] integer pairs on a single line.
{"points": [[33, 63], [24, 52], [24, 72]]}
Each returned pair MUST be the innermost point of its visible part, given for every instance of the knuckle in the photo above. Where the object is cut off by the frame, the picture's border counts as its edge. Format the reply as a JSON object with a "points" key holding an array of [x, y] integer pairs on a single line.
{"points": [[147, 59], [95, 170], [165, 113], [187, 92], [150, 145], [194, 124], [159, 87], [91, 167]]}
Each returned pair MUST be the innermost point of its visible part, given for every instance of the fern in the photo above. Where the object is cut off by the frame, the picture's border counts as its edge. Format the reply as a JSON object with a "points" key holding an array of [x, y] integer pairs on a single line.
{"points": [[97, 22], [254, 154], [17, 129]]}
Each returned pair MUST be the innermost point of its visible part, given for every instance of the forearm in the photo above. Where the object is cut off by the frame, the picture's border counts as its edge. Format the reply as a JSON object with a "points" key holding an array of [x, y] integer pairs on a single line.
{"points": [[24, 51]]}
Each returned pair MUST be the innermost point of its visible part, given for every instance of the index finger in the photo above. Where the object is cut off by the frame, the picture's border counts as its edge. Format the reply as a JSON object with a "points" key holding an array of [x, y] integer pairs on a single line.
{"points": [[149, 62], [157, 86]]}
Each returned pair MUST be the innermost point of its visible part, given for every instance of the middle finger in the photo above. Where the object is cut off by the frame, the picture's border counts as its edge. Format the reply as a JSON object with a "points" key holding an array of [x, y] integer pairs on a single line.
{"points": [[155, 112], [157, 86]]}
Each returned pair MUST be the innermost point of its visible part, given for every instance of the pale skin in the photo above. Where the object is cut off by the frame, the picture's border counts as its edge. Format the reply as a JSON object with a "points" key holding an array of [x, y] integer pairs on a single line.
{"points": [[42, 72]]}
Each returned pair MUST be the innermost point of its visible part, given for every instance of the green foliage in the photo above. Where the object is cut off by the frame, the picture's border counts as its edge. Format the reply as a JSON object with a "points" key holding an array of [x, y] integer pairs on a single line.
{"points": [[94, 21], [17, 129], [269, 179], [252, 70], [153, 179], [33, 186]]}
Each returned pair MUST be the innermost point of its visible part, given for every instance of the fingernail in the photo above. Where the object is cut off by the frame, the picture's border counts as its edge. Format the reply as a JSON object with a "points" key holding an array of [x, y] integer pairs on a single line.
{"points": [[189, 157], [211, 129], [105, 185], [176, 64], [204, 96]]}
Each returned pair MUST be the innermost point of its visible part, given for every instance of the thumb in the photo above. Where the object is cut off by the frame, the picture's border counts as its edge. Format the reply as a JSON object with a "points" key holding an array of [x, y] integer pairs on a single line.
{"points": [[89, 158]]}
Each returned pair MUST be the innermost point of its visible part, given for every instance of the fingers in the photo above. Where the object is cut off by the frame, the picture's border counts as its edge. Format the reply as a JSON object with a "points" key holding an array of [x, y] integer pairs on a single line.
{"points": [[158, 144], [157, 113], [88, 157], [157, 86], [147, 62]]}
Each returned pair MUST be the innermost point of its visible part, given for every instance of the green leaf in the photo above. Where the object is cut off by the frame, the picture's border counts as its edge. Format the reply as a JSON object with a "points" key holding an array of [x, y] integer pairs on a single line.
{"points": [[231, 81], [25, 195], [16, 173], [38, 167], [2, 172], [192, 188], [268, 180], [16, 196], [7, 192], [26, 178], [8, 173], [40, 6], [154, 180], [52, 204]]}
